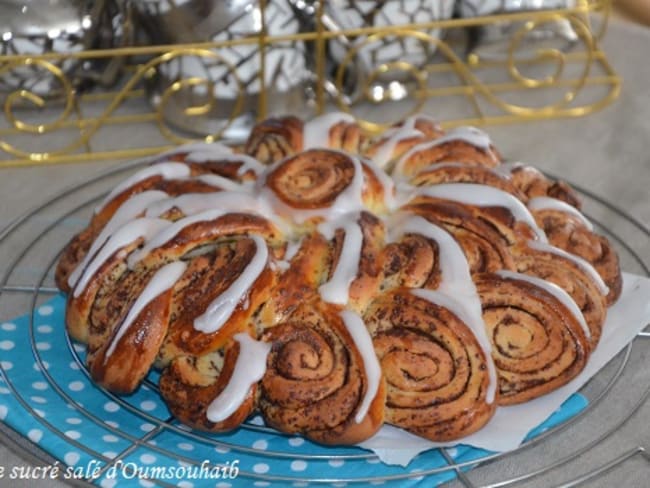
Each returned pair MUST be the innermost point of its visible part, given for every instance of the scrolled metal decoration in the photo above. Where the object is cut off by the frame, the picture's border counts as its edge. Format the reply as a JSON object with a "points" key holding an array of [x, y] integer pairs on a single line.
{"points": [[554, 55], [469, 78], [393, 79], [183, 85], [368, 87], [22, 96], [91, 128]]}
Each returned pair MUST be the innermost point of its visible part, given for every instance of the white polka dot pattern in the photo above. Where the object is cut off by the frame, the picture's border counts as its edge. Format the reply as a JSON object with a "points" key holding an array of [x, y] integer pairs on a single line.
{"points": [[35, 435], [57, 394]]}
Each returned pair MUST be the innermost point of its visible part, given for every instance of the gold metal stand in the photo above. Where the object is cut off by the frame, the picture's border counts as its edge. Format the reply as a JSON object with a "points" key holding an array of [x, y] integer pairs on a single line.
{"points": [[521, 84]]}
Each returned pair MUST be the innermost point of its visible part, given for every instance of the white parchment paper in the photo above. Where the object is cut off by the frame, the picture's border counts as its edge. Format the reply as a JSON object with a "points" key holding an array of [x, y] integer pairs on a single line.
{"points": [[510, 425]]}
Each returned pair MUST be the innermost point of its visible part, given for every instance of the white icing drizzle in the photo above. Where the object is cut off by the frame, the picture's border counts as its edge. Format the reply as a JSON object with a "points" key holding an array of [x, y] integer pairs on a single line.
{"points": [[222, 307], [556, 291], [387, 183], [436, 166], [362, 340], [167, 170], [348, 200], [505, 169], [582, 263], [470, 135], [316, 132], [292, 248], [391, 138], [484, 196], [290, 251], [248, 163], [193, 203], [548, 203], [449, 164], [404, 193], [168, 232], [208, 155], [129, 210], [213, 148], [456, 285], [249, 369], [220, 182], [336, 290], [135, 229], [452, 304], [236, 201], [163, 280]]}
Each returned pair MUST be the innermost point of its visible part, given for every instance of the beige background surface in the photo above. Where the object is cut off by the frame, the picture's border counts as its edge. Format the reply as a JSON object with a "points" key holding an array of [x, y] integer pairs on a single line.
{"points": [[608, 153]]}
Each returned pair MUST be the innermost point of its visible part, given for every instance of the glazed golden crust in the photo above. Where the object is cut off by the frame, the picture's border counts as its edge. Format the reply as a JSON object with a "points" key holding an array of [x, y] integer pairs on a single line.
{"points": [[207, 277], [80, 305], [77, 248], [299, 282], [411, 262], [316, 178], [365, 284], [347, 137], [274, 139]]}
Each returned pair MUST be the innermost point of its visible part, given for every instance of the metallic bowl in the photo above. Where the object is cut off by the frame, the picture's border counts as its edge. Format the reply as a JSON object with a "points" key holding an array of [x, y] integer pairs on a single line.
{"points": [[60, 26], [230, 93], [492, 41]]}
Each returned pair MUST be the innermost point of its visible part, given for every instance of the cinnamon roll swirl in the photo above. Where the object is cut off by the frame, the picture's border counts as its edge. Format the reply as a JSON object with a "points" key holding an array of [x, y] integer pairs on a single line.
{"points": [[320, 183], [354, 267], [465, 173], [217, 391], [274, 139], [120, 355], [277, 138], [148, 186], [539, 338], [571, 231], [235, 282], [335, 130], [571, 273], [532, 183], [462, 145], [322, 378], [435, 370], [484, 247]]}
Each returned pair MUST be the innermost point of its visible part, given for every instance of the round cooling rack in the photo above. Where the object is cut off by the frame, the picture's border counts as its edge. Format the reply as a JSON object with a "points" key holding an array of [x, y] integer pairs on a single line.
{"points": [[56, 415]]}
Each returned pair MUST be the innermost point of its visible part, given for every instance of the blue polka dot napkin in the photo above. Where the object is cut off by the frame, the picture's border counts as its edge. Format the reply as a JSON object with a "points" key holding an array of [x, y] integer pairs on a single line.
{"points": [[46, 396]]}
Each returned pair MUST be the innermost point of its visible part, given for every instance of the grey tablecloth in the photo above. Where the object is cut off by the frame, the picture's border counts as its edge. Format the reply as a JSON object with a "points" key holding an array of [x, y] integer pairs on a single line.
{"points": [[607, 153]]}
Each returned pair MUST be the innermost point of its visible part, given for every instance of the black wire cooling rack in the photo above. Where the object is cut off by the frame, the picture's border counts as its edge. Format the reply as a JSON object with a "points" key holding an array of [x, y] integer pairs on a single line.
{"points": [[31, 244]]}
